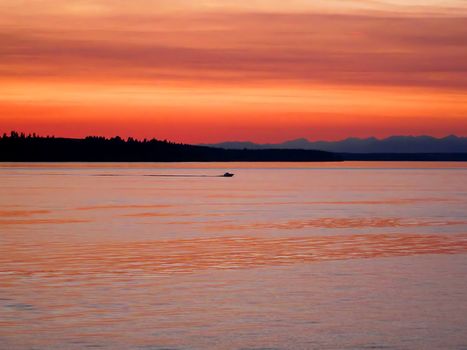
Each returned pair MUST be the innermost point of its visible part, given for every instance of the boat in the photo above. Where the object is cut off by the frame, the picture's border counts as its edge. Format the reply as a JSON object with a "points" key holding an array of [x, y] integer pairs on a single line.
{"points": [[227, 175]]}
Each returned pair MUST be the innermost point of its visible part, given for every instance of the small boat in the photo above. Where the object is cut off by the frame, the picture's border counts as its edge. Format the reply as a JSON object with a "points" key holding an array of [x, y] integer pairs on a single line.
{"points": [[227, 175]]}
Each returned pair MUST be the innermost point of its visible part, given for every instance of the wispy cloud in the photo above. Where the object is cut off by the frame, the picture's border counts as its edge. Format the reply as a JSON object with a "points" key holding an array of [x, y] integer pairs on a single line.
{"points": [[333, 49], [148, 48]]}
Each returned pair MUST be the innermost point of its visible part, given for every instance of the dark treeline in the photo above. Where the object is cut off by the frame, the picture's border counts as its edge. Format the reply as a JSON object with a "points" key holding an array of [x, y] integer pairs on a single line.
{"points": [[18, 147]]}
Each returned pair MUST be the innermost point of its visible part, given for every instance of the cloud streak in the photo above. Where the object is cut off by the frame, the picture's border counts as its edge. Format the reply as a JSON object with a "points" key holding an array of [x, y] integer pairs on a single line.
{"points": [[236, 46], [331, 49]]}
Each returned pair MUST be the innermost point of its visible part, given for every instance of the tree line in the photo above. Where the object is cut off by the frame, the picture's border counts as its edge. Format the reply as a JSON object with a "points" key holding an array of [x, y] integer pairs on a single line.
{"points": [[17, 147]]}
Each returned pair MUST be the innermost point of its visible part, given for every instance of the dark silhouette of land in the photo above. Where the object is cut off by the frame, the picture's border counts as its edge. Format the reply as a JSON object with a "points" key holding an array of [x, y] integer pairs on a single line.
{"points": [[17, 147], [395, 144]]}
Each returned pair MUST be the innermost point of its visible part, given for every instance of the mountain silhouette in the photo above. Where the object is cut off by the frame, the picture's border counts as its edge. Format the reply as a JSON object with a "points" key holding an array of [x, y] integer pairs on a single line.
{"points": [[31, 148], [393, 144]]}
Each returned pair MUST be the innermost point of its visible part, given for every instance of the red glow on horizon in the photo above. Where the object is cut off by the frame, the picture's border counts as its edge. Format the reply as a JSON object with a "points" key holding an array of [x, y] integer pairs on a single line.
{"points": [[183, 72]]}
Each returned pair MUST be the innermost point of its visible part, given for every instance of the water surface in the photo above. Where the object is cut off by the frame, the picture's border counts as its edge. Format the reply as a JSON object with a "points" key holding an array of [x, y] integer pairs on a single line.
{"points": [[282, 256]]}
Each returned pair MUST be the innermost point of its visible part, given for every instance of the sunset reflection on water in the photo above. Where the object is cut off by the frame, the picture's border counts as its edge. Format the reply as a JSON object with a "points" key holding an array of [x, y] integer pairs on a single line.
{"points": [[191, 255], [282, 256]]}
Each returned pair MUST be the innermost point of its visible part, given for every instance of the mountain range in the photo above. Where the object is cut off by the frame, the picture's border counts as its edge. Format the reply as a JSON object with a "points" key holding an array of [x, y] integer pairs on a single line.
{"points": [[393, 144]]}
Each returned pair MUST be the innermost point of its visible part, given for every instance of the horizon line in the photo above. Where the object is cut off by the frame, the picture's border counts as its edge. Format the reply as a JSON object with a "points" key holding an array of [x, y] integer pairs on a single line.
{"points": [[33, 134]]}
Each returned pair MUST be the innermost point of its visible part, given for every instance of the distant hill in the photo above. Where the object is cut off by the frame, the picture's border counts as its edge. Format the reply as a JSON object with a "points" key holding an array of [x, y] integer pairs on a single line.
{"points": [[393, 144], [21, 148], [31, 148]]}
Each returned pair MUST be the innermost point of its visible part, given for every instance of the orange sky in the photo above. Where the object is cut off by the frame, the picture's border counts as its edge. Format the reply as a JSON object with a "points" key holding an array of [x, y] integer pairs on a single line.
{"points": [[208, 71]]}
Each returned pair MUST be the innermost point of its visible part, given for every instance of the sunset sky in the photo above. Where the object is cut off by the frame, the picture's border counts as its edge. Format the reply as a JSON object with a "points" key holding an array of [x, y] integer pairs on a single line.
{"points": [[216, 70]]}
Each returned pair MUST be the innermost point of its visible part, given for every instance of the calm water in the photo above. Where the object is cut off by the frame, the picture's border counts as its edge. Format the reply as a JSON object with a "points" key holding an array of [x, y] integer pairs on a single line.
{"points": [[282, 256]]}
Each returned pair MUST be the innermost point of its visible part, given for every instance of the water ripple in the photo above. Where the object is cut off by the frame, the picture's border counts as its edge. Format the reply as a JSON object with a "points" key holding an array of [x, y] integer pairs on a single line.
{"points": [[189, 255]]}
